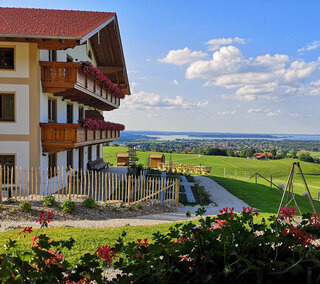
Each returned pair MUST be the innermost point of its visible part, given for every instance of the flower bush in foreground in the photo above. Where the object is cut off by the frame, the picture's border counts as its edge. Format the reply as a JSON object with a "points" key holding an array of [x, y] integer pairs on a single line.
{"points": [[228, 248]]}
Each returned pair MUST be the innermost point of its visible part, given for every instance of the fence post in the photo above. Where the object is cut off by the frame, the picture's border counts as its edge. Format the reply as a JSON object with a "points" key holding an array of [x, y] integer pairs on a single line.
{"points": [[177, 192], [70, 182], [0, 183], [129, 190], [271, 181]]}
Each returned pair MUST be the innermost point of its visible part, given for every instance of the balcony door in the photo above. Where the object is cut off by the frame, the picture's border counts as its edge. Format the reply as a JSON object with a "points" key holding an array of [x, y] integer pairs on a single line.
{"points": [[69, 113]]}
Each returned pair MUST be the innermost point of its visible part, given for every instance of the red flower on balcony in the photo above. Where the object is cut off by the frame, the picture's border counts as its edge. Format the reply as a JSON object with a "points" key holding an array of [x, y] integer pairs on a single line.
{"points": [[97, 75], [100, 124]]}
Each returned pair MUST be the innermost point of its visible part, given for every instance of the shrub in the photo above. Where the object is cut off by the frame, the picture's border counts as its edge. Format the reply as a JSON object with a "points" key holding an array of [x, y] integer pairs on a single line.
{"points": [[48, 201], [25, 206], [1, 206], [12, 211], [228, 248], [68, 206], [89, 203], [306, 157], [139, 206]]}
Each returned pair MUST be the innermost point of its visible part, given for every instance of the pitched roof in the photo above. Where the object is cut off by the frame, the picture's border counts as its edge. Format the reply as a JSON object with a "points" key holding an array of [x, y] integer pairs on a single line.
{"points": [[156, 156], [50, 23], [123, 155]]}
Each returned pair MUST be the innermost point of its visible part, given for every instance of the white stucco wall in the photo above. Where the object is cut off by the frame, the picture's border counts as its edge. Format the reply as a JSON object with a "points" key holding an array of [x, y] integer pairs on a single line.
{"points": [[18, 148], [21, 124], [21, 60], [78, 53]]}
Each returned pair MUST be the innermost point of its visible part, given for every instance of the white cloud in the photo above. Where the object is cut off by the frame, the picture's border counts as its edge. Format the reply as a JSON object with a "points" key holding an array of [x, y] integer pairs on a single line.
{"points": [[182, 56], [175, 82], [216, 43], [310, 46], [265, 77], [266, 112], [153, 115], [230, 112], [224, 61], [295, 114], [148, 60], [299, 70], [150, 101]]}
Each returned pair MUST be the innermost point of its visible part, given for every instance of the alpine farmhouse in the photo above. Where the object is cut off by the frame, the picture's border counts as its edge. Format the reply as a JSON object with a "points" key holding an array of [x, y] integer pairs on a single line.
{"points": [[58, 67]]}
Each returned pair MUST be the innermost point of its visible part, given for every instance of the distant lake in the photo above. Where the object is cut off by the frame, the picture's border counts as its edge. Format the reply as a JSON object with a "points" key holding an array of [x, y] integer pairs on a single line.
{"points": [[207, 136]]}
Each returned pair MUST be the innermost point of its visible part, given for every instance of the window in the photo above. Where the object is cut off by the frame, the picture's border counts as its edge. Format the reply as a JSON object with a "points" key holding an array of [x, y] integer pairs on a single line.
{"points": [[69, 113], [52, 117], [98, 151], [52, 164], [81, 113], [7, 58], [89, 153], [8, 162], [6, 107], [70, 158], [52, 55], [69, 58]]}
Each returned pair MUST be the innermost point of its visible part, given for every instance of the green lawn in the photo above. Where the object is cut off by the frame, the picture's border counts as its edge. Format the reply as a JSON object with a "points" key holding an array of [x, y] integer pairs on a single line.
{"points": [[261, 196], [86, 240], [243, 168]]}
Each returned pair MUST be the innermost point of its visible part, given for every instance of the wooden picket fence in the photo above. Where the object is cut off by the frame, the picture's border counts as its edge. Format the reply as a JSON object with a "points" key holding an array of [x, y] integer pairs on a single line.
{"points": [[34, 184]]}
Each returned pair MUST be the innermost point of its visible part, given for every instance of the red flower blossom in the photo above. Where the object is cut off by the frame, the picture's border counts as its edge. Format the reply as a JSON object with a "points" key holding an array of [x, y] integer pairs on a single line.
{"points": [[92, 124], [26, 230], [288, 212], [303, 237], [250, 210], [97, 75], [106, 253], [42, 218]]}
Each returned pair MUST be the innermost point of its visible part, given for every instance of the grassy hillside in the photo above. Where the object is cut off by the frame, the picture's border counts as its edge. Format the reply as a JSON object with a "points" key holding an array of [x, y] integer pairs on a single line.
{"points": [[279, 169]]}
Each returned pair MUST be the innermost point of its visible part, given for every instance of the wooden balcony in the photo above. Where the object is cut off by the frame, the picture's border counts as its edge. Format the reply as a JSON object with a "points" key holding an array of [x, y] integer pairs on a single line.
{"points": [[67, 80], [58, 137]]}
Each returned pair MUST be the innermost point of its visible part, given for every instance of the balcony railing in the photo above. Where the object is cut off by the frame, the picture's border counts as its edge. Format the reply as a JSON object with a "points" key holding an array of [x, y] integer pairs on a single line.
{"points": [[58, 137], [67, 80]]}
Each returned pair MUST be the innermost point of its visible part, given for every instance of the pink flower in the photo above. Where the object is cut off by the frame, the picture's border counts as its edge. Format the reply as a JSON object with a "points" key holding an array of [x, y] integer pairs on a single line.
{"points": [[35, 240], [218, 224]]}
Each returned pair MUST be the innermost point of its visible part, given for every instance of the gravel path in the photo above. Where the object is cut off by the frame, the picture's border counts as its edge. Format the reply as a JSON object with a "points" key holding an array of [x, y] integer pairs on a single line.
{"points": [[219, 195]]}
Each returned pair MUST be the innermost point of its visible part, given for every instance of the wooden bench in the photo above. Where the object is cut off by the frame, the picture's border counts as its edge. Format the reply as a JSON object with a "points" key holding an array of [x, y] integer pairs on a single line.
{"points": [[97, 165]]}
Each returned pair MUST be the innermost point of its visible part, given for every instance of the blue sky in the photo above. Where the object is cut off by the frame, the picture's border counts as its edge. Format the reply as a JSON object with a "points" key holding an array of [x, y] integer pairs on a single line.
{"points": [[216, 66]]}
